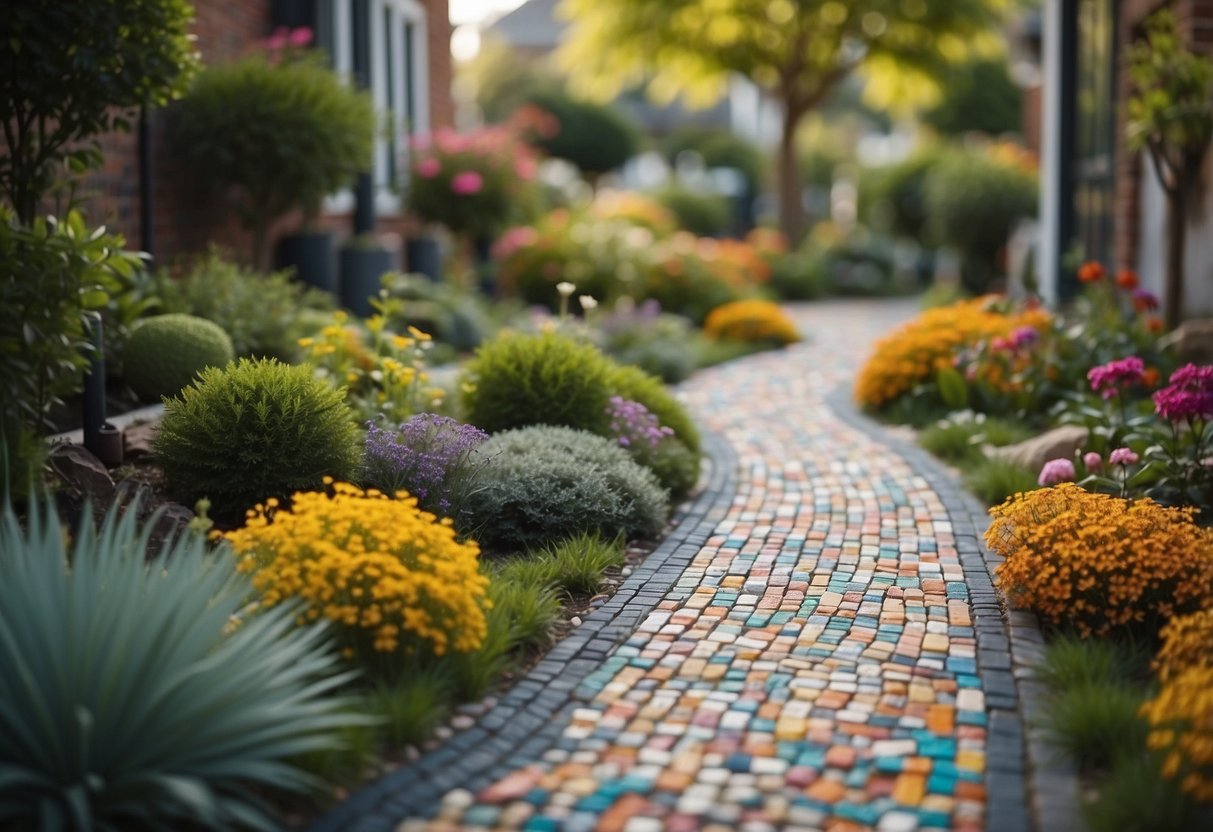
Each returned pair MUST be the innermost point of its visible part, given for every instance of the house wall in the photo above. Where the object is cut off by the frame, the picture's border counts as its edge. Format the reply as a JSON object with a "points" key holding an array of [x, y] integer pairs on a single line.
{"points": [[184, 220]]}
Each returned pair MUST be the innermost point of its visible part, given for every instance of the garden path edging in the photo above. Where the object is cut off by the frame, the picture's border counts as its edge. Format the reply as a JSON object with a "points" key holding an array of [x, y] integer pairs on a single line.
{"points": [[1029, 785], [529, 718]]}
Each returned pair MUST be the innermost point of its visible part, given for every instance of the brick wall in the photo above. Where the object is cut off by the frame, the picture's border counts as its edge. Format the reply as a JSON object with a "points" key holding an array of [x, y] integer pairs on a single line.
{"points": [[442, 106]]}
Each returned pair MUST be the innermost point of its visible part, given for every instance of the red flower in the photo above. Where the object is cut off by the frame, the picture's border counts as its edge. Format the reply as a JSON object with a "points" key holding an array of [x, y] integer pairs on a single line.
{"points": [[1091, 272], [1126, 279]]}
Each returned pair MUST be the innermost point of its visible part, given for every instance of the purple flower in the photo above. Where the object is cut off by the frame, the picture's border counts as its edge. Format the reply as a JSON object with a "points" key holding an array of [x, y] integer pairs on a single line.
{"points": [[1108, 379], [1123, 456], [431, 457], [1092, 460], [634, 424], [1057, 470], [1024, 336], [1189, 395]]}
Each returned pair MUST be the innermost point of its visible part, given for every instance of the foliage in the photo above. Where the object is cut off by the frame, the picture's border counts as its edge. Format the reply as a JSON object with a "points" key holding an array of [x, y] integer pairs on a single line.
{"points": [[410, 705], [573, 566], [473, 183], [703, 213], [452, 315], [1071, 662], [255, 430], [518, 380], [975, 199], [915, 353], [1096, 724], [893, 197], [161, 701], [392, 578], [979, 95], [719, 148], [434, 458], [660, 344], [803, 274], [1136, 797], [1187, 641], [693, 275], [165, 353], [636, 385], [596, 138], [281, 134], [653, 445], [1181, 726], [1100, 563], [95, 64], [994, 480], [259, 311], [51, 273], [758, 321], [549, 483], [382, 372], [953, 439]]}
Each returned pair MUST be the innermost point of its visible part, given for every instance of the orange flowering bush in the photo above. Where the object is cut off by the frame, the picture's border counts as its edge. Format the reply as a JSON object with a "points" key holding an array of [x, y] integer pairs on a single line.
{"points": [[1181, 726], [1100, 563], [1187, 641], [393, 578], [916, 352], [756, 321]]}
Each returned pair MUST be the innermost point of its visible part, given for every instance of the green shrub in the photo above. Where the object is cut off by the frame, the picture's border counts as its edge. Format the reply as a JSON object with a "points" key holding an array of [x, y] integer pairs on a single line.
{"points": [[130, 701], [635, 384], [596, 138], [260, 312], [573, 566], [451, 315], [893, 197], [1072, 662], [993, 480], [661, 345], [254, 430], [704, 214], [518, 380], [674, 464], [1137, 797], [550, 483], [719, 149], [165, 353], [801, 275]]}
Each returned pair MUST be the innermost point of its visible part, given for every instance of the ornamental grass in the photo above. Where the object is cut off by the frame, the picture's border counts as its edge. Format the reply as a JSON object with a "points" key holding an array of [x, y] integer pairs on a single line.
{"points": [[1098, 563], [393, 578], [1181, 727], [916, 352], [753, 321]]}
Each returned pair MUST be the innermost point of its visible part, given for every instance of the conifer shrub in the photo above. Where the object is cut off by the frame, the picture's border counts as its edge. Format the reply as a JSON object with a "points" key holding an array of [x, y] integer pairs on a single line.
{"points": [[549, 483], [165, 353], [255, 430]]}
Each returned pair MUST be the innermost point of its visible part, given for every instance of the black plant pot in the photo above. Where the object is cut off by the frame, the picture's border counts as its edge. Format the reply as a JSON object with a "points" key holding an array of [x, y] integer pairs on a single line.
{"points": [[361, 270], [311, 256], [486, 271], [423, 255]]}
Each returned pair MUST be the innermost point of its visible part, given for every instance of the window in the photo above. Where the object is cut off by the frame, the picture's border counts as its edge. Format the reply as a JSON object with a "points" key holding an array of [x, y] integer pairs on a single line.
{"points": [[1094, 128]]}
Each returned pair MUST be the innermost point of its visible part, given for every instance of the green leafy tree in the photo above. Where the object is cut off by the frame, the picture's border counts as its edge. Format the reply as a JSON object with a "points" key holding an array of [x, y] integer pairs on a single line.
{"points": [[980, 96], [797, 51], [72, 71], [1171, 118], [595, 137]]}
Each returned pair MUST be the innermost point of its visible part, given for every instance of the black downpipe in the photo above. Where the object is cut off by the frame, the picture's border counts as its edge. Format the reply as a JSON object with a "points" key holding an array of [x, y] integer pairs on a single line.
{"points": [[364, 188], [1066, 216], [146, 208]]}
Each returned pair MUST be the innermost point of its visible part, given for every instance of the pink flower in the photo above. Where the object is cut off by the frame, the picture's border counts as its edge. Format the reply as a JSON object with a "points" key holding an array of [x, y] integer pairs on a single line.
{"points": [[1000, 344], [1189, 396], [1025, 336], [1108, 379], [1123, 456], [300, 37], [514, 239], [1057, 470], [428, 168], [525, 168], [449, 141], [277, 40], [467, 183], [1092, 460]]}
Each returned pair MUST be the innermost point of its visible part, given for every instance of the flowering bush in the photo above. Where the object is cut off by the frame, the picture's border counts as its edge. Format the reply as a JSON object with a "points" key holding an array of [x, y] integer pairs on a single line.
{"points": [[1187, 641], [432, 457], [383, 372], [693, 275], [755, 321], [640, 334], [631, 423], [1100, 563], [470, 182], [653, 445], [634, 209], [1181, 726], [392, 578]]}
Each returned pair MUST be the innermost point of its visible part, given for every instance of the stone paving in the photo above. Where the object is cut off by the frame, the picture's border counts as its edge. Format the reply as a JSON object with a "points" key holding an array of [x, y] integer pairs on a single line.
{"points": [[827, 654]]}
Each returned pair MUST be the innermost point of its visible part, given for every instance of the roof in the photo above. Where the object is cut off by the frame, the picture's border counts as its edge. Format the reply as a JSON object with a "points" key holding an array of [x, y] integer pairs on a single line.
{"points": [[533, 25]]}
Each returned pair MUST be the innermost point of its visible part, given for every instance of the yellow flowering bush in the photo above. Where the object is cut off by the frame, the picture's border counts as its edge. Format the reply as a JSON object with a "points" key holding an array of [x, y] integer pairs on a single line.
{"points": [[1100, 563], [1181, 725], [392, 578], [1187, 641], [383, 371], [756, 321], [917, 351]]}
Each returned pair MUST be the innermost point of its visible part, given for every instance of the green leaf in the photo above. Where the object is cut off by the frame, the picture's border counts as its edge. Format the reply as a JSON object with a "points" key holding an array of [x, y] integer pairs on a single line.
{"points": [[952, 388]]}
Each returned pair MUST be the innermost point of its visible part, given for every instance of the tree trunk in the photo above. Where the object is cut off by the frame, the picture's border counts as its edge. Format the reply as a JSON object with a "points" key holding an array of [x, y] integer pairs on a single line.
{"points": [[792, 218], [1177, 221]]}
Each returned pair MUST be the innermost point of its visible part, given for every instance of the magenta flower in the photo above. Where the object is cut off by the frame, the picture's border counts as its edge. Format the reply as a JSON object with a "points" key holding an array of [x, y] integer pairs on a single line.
{"points": [[1092, 460], [1024, 336], [1189, 395], [1123, 456], [467, 183], [1144, 301], [1057, 470], [428, 168], [1109, 379], [300, 37]]}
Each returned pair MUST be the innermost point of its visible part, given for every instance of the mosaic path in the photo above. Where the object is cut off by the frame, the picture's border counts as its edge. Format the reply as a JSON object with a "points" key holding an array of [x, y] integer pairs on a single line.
{"points": [[827, 654]]}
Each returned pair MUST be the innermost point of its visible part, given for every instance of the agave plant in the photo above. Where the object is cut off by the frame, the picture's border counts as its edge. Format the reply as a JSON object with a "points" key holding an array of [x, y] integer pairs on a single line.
{"points": [[131, 695]]}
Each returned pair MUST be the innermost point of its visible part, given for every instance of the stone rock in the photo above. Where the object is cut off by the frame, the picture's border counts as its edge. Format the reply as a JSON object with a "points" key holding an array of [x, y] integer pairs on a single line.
{"points": [[1193, 341], [83, 472], [1032, 454], [173, 522], [138, 439]]}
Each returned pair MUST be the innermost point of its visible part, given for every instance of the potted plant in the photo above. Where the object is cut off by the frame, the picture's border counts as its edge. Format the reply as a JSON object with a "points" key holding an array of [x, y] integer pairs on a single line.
{"points": [[280, 131], [364, 261]]}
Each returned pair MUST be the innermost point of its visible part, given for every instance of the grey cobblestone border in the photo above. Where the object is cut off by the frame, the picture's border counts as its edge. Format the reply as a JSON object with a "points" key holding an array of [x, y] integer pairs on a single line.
{"points": [[1029, 785], [529, 718]]}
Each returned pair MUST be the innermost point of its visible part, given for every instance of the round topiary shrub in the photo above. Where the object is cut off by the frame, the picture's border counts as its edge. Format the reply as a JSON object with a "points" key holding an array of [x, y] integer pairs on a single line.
{"points": [[165, 353], [518, 380], [254, 430], [752, 320], [550, 483], [635, 384]]}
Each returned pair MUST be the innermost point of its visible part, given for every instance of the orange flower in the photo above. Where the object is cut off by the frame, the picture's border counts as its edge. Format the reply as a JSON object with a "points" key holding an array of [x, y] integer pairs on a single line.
{"points": [[1155, 325], [1149, 378], [1126, 279], [1091, 272]]}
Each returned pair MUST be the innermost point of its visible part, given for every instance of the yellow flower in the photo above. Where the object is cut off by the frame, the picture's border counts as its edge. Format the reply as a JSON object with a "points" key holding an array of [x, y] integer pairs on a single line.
{"points": [[1181, 726], [757, 321]]}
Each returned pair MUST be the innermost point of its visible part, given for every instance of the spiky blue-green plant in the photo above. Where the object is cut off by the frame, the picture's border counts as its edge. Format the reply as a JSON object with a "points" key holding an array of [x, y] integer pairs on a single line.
{"points": [[139, 692]]}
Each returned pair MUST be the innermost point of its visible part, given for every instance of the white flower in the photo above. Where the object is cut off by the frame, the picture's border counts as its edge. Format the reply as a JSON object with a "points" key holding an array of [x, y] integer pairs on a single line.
{"points": [[588, 302], [565, 288]]}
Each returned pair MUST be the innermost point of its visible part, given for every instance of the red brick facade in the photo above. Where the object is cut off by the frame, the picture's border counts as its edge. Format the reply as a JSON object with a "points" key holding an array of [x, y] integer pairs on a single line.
{"points": [[184, 221]]}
